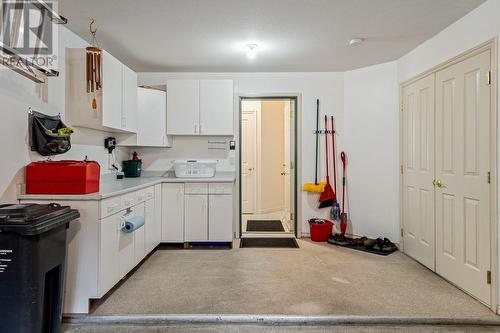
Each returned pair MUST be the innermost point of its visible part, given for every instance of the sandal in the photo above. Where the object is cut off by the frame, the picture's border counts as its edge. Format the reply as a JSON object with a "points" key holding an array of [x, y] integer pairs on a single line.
{"points": [[388, 246]]}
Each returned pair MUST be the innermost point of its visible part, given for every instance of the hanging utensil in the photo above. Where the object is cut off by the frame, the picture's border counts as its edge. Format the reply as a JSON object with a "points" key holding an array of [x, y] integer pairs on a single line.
{"points": [[335, 210], [317, 187], [327, 198], [343, 218]]}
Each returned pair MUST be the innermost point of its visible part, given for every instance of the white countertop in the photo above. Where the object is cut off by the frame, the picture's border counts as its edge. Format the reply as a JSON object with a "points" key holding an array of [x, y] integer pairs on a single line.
{"points": [[111, 187]]}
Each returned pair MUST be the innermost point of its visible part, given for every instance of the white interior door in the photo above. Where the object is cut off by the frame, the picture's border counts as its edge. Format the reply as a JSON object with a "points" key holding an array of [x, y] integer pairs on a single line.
{"points": [[462, 166], [418, 163], [248, 160]]}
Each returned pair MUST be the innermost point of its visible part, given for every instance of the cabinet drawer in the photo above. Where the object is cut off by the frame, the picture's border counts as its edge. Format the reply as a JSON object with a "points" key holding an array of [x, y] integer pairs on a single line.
{"points": [[111, 206], [149, 193], [220, 188], [196, 188], [129, 200], [140, 196]]}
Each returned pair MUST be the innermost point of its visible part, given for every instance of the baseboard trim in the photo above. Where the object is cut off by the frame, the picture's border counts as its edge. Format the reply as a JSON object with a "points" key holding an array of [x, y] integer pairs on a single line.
{"points": [[274, 320]]}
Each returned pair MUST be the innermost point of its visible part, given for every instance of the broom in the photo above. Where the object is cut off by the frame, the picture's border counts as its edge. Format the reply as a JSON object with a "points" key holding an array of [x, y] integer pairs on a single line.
{"points": [[315, 187], [327, 198]]}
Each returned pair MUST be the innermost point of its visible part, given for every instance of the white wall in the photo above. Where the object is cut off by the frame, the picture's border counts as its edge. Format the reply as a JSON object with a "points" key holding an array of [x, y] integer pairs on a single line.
{"points": [[479, 26], [16, 95], [328, 87], [371, 143]]}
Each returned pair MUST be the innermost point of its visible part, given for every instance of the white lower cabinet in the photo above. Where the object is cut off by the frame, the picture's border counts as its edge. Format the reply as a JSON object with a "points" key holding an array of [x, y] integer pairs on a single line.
{"points": [[153, 226], [109, 267], [172, 228], [208, 212], [140, 235], [196, 217], [126, 248], [220, 216]]}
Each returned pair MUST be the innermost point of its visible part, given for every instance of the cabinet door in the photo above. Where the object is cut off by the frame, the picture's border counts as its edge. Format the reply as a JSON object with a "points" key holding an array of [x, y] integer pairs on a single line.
{"points": [[216, 107], [196, 218], [152, 121], [140, 235], [151, 226], [129, 100], [172, 213], [112, 92], [157, 214], [126, 248], [220, 218], [183, 107], [109, 267]]}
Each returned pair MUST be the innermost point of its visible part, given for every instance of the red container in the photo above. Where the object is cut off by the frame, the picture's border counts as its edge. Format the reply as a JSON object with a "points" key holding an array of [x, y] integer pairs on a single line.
{"points": [[62, 177], [321, 229]]}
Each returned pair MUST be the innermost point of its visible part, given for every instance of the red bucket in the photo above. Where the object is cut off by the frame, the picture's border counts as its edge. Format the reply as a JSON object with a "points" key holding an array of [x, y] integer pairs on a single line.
{"points": [[321, 229]]}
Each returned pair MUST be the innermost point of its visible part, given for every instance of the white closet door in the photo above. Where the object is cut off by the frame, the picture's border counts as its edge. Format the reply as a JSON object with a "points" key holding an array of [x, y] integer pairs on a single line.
{"points": [[418, 163], [462, 166]]}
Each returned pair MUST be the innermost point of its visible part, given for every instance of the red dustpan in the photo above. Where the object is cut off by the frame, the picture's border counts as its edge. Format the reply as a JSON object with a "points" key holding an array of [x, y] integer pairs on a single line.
{"points": [[327, 198]]}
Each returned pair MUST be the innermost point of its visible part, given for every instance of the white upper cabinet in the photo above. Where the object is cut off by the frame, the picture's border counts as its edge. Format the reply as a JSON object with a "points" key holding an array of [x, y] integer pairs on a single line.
{"points": [[112, 91], [151, 120], [116, 101], [183, 105], [129, 100], [216, 107], [200, 107]]}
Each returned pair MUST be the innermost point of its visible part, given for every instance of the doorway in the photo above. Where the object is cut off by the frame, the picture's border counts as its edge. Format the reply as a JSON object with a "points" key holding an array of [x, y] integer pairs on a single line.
{"points": [[267, 166]]}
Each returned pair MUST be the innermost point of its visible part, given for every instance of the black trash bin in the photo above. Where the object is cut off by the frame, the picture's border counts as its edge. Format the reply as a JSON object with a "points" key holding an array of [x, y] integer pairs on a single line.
{"points": [[32, 255]]}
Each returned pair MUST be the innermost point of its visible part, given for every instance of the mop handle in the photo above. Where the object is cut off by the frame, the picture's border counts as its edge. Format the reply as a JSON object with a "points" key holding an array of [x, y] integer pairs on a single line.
{"points": [[317, 143], [334, 156], [326, 145], [344, 162]]}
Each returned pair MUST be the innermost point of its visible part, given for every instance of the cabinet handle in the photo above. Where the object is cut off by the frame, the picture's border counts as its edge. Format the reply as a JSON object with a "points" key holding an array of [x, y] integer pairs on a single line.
{"points": [[196, 128]]}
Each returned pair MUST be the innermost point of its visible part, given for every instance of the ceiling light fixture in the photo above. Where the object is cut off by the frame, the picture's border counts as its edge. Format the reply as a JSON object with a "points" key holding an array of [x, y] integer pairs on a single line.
{"points": [[251, 51], [356, 41]]}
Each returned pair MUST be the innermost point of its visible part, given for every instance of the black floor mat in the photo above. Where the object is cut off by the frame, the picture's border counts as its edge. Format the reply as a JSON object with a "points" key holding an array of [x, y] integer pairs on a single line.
{"points": [[269, 242], [363, 249], [265, 225]]}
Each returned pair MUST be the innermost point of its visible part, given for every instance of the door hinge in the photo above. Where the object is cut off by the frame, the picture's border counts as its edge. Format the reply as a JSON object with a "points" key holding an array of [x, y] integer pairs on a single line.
{"points": [[291, 216], [488, 78], [401, 169], [402, 106], [402, 232], [488, 177], [488, 277]]}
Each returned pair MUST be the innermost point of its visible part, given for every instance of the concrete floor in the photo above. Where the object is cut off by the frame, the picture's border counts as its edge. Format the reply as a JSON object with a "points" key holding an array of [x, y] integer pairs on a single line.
{"points": [[317, 279]]}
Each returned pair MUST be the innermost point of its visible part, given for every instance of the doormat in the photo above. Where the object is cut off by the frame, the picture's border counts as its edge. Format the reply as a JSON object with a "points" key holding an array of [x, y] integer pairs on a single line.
{"points": [[269, 242], [364, 244], [265, 225]]}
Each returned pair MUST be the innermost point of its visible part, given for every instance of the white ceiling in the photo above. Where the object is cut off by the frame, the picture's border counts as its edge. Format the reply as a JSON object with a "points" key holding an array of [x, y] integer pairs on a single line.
{"points": [[293, 35]]}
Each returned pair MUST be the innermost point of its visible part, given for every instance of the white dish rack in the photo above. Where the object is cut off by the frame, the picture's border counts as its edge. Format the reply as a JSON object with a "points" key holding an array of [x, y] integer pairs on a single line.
{"points": [[195, 168]]}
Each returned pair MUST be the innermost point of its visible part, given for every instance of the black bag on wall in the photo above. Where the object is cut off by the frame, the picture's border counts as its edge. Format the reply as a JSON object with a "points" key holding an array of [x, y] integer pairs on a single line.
{"points": [[44, 137]]}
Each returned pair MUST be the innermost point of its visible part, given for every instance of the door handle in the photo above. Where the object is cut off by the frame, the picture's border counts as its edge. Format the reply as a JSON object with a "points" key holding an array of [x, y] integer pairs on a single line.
{"points": [[250, 169], [438, 183]]}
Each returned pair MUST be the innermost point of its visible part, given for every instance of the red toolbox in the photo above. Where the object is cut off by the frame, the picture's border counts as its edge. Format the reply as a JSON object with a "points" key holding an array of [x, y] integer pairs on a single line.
{"points": [[62, 177]]}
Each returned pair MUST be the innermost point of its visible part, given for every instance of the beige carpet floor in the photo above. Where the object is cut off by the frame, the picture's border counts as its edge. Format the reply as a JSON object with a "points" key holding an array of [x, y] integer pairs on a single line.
{"points": [[317, 279]]}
